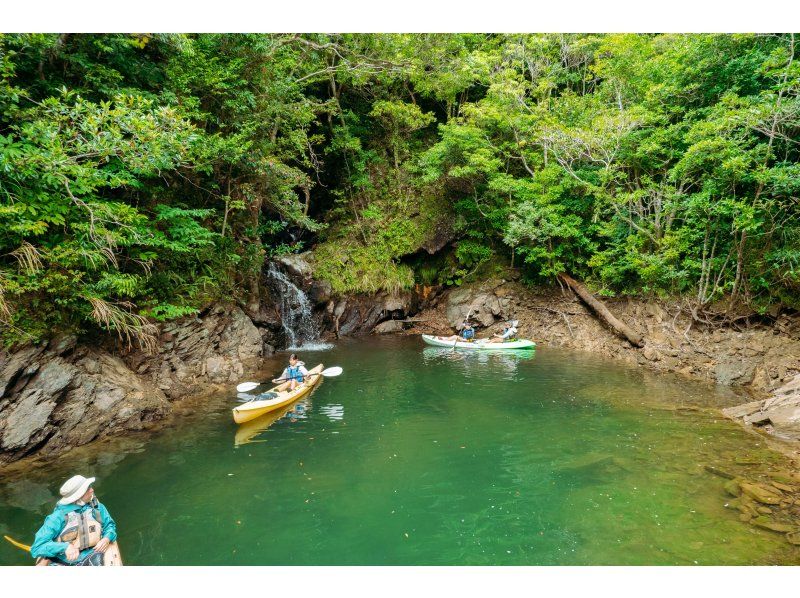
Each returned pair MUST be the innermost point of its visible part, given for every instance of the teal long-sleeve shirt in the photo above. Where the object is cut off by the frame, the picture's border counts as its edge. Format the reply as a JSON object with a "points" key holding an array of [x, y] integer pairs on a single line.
{"points": [[45, 544]]}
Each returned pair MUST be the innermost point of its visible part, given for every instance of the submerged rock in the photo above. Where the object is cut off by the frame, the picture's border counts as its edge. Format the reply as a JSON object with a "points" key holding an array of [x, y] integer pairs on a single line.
{"points": [[784, 487], [719, 472], [786, 477], [732, 487], [761, 493], [593, 469], [766, 523]]}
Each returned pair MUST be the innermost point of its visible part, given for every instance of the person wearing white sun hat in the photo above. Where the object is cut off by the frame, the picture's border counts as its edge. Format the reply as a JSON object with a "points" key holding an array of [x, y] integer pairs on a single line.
{"points": [[509, 332], [79, 530]]}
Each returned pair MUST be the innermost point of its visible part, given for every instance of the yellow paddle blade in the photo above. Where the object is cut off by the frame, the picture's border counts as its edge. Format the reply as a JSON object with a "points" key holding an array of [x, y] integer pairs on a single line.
{"points": [[18, 544]]}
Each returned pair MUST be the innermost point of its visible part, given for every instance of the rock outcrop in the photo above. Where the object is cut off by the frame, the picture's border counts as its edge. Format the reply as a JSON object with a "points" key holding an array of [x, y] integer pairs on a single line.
{"points": [[297, 264], [359, 314], [481, 306], [388, 327], [779, 414], [216, 348], [63, 394], [58, 395]]}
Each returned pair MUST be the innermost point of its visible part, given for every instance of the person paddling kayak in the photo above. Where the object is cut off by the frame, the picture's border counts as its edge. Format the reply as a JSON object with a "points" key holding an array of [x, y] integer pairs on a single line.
{"points": [[509, 333], [467, 334], [295, 372], [79, 531]]}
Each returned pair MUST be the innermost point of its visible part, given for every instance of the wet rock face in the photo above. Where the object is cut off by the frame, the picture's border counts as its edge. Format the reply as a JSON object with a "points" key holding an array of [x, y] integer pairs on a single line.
{"points": [[297, 264], [217, 348], [359, 314], [388, 327], [483, 307], [63, 394], [443, 234], [56, 397]]}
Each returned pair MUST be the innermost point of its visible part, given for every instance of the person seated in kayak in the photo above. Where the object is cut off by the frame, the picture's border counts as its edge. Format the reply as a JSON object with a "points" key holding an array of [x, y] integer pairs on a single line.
{"points": [[78, 531], [467, 334], [295, 373], [509, 333]]}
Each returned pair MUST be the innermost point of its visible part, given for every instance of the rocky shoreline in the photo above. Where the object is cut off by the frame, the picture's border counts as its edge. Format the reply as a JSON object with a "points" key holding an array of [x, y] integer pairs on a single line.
{"points": [[63, 393], [66, 395], [762, 359]]}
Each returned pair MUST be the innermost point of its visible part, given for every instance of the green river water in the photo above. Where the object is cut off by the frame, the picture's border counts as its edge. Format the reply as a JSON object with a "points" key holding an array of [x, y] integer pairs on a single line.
{"points": [[428, 457]]}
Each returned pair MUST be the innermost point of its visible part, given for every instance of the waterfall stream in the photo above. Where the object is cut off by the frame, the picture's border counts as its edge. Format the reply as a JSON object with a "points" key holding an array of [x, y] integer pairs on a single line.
{"points": [[296, 315]]}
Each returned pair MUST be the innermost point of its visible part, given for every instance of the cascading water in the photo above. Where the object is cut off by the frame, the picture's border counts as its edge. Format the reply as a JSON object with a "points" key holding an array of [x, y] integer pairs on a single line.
{"points": [[296, 317]]}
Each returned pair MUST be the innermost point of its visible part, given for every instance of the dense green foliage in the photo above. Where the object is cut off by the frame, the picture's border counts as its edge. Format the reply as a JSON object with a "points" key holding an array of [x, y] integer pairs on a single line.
{"points": [[142, 176]]}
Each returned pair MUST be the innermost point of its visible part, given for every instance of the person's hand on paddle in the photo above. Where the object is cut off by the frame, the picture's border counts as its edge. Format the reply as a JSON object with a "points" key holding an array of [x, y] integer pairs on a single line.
{"points": [[102, 545], [72, 552]]}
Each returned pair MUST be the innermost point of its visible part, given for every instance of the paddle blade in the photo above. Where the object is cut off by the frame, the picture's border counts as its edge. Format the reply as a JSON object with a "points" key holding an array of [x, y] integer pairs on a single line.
{"points": [[331, 372], [245, 386]]}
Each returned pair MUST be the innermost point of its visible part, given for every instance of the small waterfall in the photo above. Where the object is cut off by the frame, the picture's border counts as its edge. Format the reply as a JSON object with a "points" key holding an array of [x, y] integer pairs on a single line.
{"points": [[296, 318]]}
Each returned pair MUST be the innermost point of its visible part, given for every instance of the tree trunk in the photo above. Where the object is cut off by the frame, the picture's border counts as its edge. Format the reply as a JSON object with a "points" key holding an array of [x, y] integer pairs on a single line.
{"points": [[254, 276], [622, 329]]}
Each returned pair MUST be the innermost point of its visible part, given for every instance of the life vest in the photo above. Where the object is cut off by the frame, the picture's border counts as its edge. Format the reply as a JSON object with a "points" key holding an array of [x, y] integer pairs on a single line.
{"points": [[468, 334], [294, 373], [84, 526]]}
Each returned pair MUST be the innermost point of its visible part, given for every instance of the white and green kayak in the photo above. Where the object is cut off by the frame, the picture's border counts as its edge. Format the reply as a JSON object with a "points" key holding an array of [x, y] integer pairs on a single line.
{"points": [[484, 344]]}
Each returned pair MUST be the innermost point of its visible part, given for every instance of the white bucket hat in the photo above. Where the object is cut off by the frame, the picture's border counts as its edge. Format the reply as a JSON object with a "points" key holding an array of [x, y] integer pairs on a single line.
{"points": [[74, 488]]}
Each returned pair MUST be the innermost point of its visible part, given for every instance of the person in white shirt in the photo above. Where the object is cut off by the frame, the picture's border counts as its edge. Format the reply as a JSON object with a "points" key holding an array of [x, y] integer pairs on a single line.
{"points": [[509, 333]]}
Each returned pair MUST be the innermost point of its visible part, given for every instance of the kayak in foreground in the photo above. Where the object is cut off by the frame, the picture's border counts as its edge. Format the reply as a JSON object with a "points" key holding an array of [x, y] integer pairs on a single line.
{"points": [[284, 396], [111, 557], [438, 341]]}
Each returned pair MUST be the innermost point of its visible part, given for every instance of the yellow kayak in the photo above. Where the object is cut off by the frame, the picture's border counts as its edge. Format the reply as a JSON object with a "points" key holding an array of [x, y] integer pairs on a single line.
{"points": [[253, 409], [246, 431]]}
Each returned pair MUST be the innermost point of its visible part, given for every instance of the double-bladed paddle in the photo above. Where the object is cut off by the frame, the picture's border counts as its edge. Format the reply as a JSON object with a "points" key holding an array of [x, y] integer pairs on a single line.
{"points": [[327, 373]]}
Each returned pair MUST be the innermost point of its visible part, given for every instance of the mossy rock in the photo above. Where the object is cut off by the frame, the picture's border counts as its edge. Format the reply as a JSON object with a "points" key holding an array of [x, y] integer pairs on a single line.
{"points": [[734, 503], [720, 472], [784, 487], [761, 493], [785, 477], [732, 487], [793, 538], [767, 523]]}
